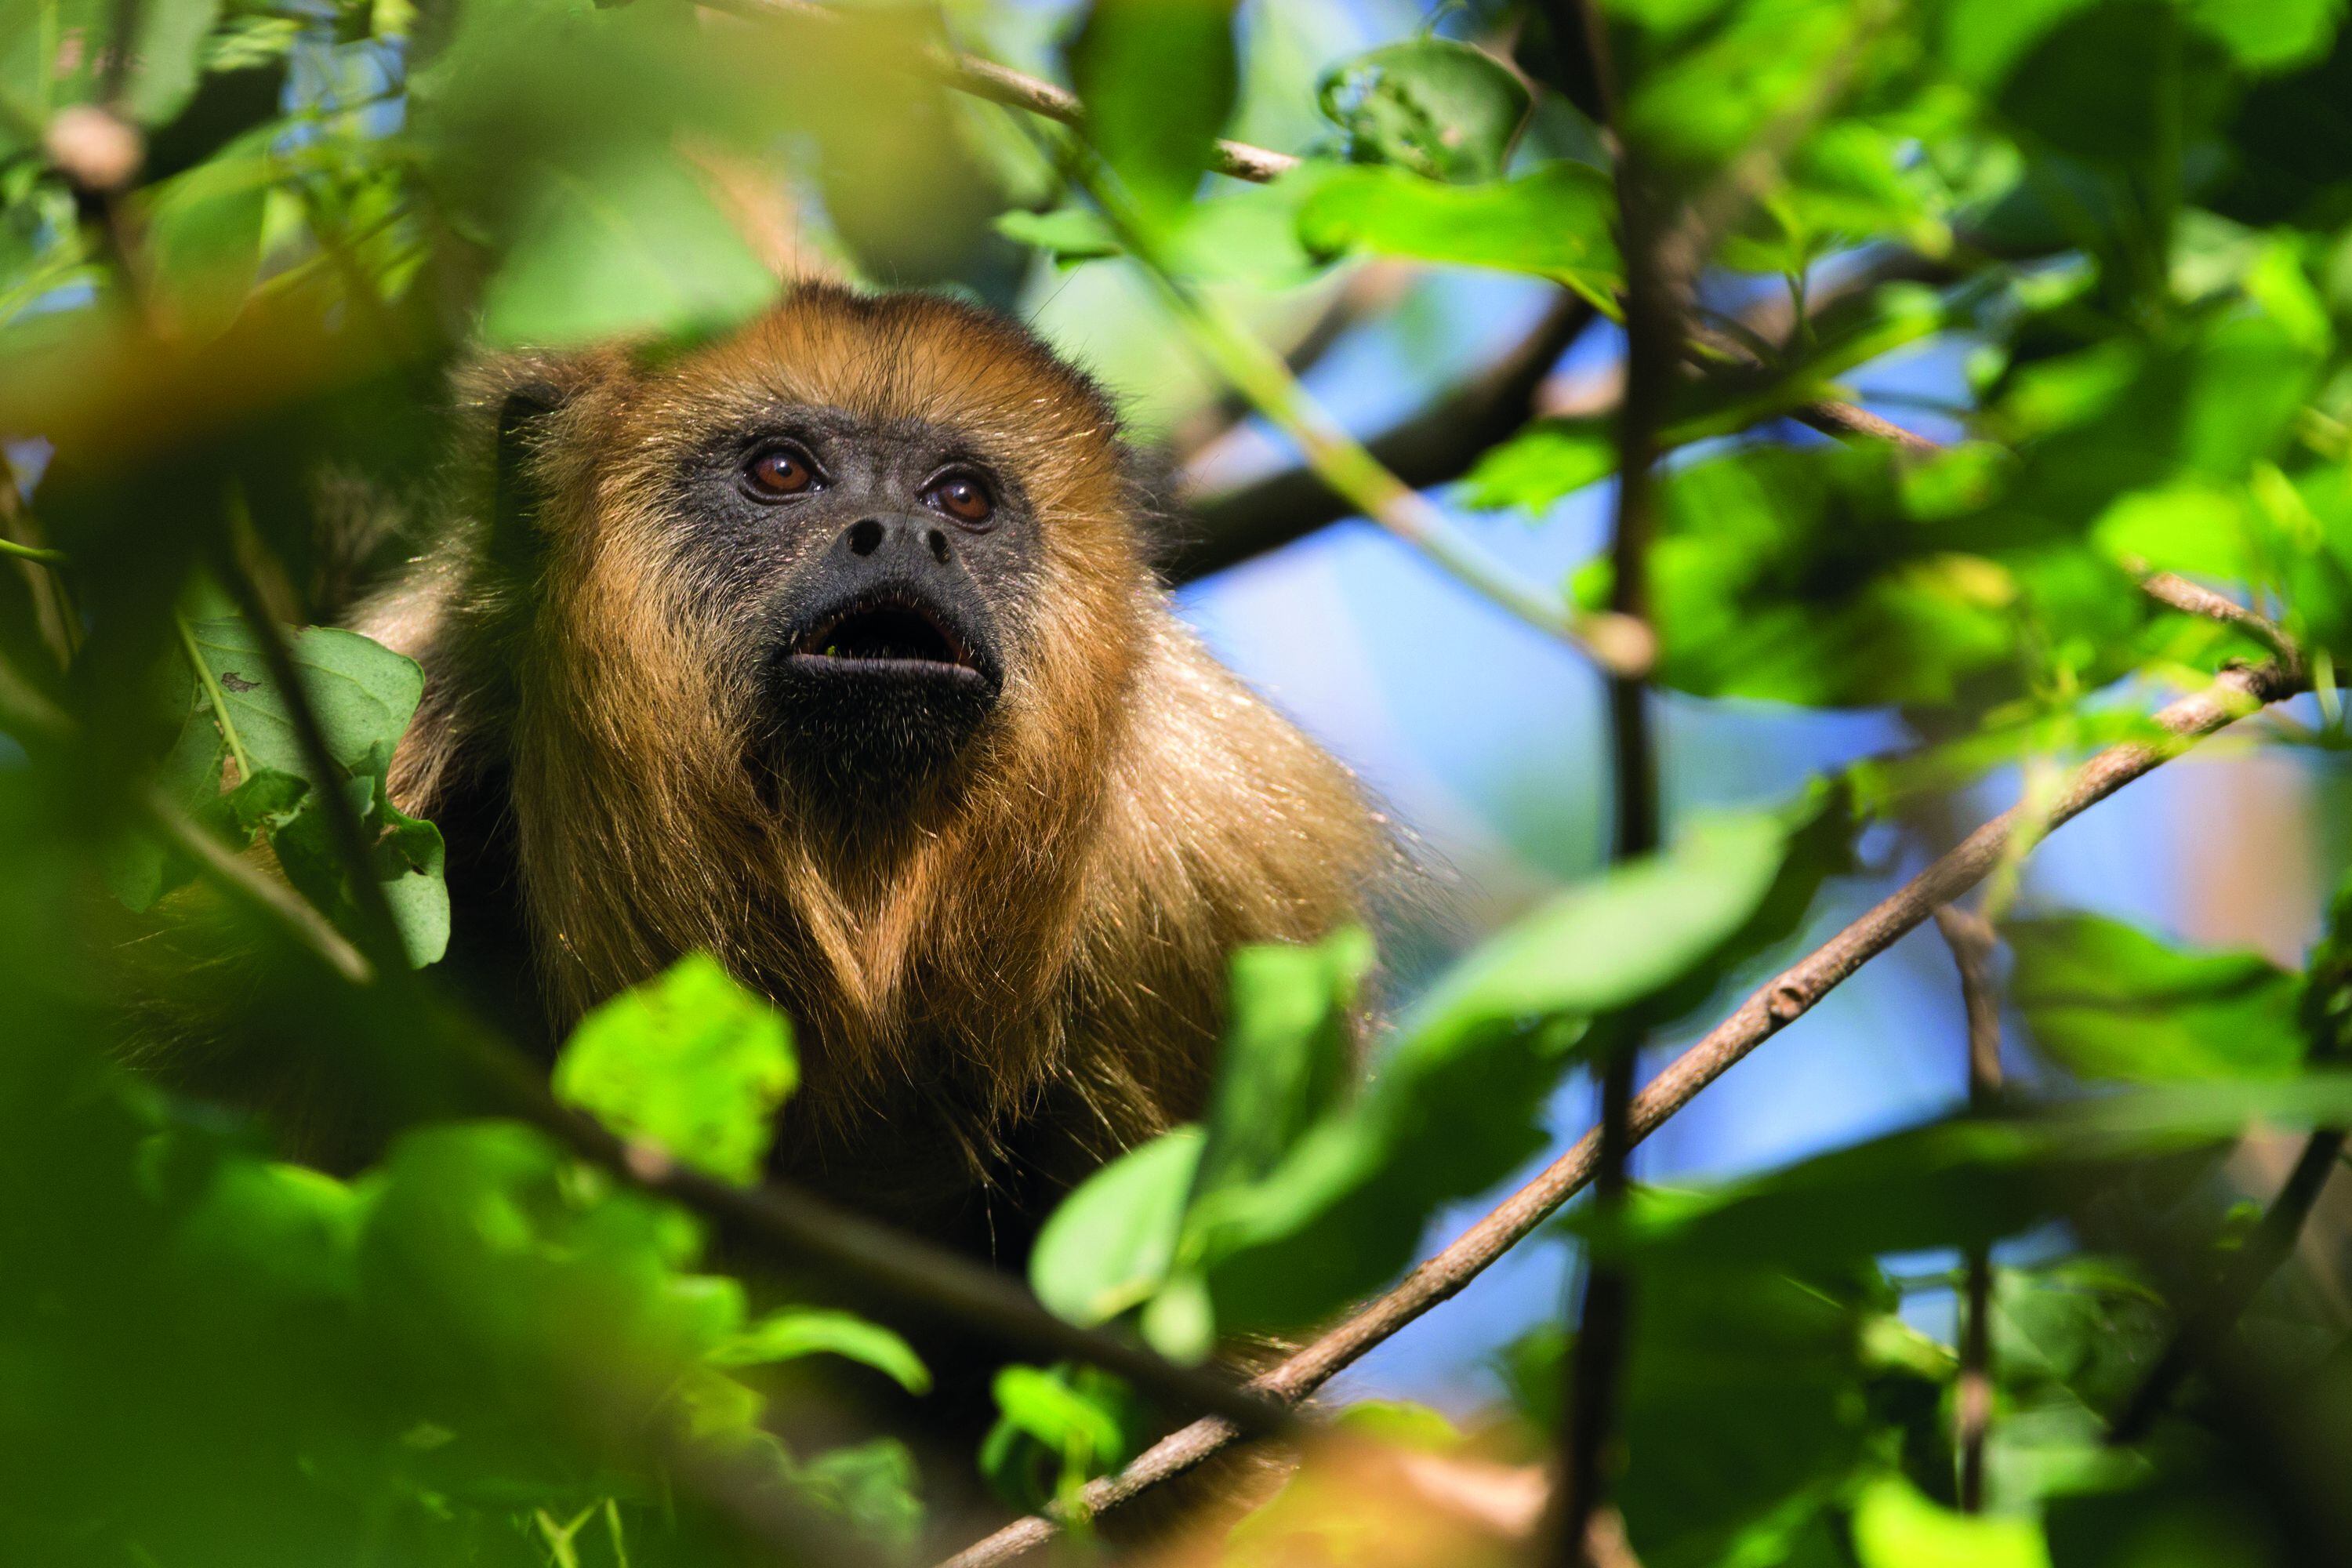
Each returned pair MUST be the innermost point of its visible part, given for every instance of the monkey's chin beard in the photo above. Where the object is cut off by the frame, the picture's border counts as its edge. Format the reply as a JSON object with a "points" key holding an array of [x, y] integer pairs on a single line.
{"points": [[875, 699]]}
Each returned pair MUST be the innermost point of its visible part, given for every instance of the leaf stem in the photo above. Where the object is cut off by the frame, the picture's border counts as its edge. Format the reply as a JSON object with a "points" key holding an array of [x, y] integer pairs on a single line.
{"points": [[218, 699], [34, 553]]}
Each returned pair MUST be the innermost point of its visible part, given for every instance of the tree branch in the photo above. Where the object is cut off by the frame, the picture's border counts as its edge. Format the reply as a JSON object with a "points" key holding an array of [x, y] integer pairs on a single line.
{"points": [[1970, 938], [2190, 598], [2234, 693], [1657, 279], [886, 1262]]}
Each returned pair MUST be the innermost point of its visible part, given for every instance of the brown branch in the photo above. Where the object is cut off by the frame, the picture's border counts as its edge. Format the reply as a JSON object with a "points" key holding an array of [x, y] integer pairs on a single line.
{"points": [[1658, 273], [2190, 598], [1970, 938], [1432, 448], [1844, 420], [1439, 443], [999, 84], [2234, 693]]}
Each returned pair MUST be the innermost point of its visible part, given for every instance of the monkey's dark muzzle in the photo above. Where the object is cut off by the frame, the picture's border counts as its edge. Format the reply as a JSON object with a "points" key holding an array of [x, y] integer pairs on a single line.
{"points": [[885, 662]]}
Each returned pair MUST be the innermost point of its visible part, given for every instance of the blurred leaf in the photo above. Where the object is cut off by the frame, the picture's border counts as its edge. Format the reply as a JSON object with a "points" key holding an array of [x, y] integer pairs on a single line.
{"points": [[1157, 79], [1431, 105], [2108, 80], [1894, 1527], [690, 1061], [1068, 234], [873, 1485], [1110, 1245], [1746, 1404], [634, 248], [2109, 1002], [1606, 944], [204, 240], [1289, 1053], [791, 1333], [1548, 460], [1554, 221]]}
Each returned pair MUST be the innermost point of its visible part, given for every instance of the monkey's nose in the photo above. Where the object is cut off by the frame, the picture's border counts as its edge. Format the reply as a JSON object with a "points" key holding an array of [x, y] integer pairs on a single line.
{"points": [[870, 536]]}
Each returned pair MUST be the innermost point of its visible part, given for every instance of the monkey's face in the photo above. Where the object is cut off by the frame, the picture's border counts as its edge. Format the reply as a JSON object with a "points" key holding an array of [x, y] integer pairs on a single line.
{"points": [[881, 562], [885, 544]]}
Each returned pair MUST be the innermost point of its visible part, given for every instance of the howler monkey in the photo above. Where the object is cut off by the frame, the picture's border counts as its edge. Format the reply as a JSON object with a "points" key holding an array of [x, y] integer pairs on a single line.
{"points": [[834, 649]]}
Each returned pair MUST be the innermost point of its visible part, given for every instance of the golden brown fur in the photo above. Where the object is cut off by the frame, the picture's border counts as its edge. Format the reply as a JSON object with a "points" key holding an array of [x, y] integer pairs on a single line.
{"points": [[1024, 967]]}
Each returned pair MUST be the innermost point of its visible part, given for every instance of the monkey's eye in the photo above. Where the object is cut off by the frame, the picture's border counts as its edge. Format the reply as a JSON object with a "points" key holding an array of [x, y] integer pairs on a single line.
{"points": [[781, 471], [961, 494]]}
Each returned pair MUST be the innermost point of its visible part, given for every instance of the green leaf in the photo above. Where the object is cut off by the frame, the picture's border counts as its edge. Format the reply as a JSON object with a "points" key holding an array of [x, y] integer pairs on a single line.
{"points": [[690, 1061], [1110, 1245], [871, 1484], [1157, 77], [1056, 1428], [633, 248], [167, 57], [2268, 34], [361, 691], [1548, 460], [1895, 1527], [1628, 934], [791, 1333], [1554, 221], [1289, 1053], [1437, 107], [1042, 1404], [1068, 234], [2109, 1002]]}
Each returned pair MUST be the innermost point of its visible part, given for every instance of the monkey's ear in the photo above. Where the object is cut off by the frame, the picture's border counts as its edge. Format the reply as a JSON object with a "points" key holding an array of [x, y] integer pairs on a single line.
{"points": [[522, 415]]}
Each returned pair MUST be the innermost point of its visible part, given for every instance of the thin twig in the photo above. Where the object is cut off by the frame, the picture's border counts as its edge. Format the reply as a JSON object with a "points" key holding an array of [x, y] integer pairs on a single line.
{"points": [[1831, 418], [2233, 694], [1970, 939], [2273, 1242], [998, 84], [1656, 283], [2181, 593]]}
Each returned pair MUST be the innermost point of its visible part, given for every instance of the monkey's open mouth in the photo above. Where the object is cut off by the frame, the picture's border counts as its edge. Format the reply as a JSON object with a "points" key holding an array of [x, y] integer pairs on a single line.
{"points": [[880, 686], [893, 633]]}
